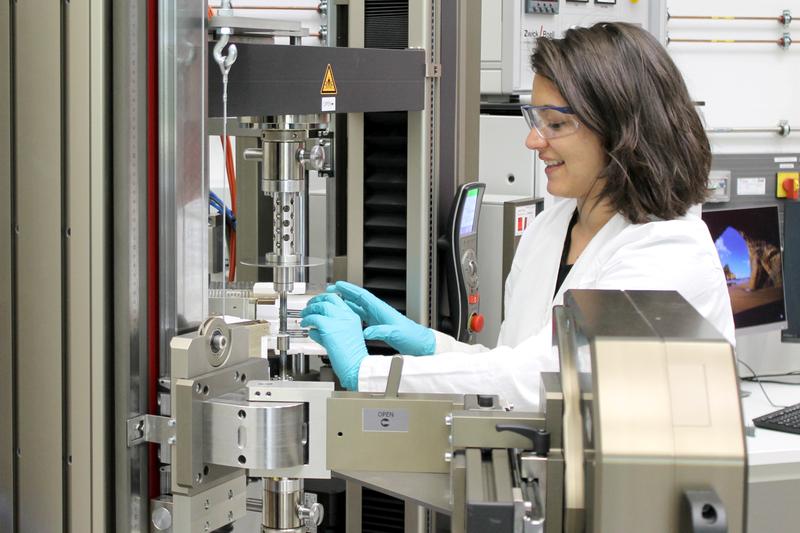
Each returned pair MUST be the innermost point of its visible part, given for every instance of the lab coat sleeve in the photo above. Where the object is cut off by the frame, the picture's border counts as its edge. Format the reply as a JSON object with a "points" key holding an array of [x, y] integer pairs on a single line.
{"points": [[446, 343], [511, 373]]}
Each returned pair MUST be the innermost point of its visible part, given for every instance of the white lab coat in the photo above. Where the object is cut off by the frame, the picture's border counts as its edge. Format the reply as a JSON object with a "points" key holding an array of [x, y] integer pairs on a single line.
{"points": [[661, 255]]}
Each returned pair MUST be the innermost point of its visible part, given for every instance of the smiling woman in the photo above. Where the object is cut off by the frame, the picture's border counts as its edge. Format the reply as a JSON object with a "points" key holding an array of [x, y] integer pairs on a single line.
{"points": [[623, 145], [622, 86]]}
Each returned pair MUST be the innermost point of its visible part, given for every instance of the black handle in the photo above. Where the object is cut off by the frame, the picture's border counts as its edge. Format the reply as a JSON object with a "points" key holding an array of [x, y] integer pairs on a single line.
{"points": [[539, 437]]}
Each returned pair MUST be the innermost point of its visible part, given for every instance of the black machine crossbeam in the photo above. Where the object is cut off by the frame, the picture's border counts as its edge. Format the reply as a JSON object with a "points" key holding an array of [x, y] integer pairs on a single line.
{"points": [[270, 79]]}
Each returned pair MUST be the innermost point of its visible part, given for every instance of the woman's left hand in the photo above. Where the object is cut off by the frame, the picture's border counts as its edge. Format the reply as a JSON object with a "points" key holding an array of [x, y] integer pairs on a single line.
{"points": [[337, 328]]}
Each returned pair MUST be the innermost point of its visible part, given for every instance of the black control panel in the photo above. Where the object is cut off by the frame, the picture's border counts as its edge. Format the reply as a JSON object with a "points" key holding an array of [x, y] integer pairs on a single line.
{"points": [[461, 245]]}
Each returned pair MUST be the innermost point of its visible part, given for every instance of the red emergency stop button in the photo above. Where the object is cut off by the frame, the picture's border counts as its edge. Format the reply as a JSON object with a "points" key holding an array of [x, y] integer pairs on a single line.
{"points": [[476, 323], [790, 189]]}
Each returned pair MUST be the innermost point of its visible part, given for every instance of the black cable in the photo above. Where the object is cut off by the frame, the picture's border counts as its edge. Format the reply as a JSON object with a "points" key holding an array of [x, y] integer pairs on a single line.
{"points": [[781, 375], [775, 381], [756, 378]]}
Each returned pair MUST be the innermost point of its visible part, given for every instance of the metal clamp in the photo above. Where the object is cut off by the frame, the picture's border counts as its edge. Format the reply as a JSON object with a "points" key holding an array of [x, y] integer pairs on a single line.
{"points": [[151, 428], [433, 70]]}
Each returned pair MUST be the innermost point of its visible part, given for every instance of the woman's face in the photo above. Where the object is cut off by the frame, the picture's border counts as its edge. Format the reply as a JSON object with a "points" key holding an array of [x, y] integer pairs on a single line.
{"points": [[573, 162]]}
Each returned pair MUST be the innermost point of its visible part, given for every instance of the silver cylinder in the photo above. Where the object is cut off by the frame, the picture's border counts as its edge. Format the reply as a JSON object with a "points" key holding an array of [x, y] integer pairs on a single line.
{"points": [[280, 161], [281, 504], [284, 206]]}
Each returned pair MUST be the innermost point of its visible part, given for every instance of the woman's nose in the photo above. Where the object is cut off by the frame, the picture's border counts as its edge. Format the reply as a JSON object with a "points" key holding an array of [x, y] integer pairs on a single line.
{"points": [[534, 141]]}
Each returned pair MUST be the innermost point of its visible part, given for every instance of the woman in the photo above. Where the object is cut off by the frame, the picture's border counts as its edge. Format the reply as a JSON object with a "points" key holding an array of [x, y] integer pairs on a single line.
{"points": [[623, 145]]}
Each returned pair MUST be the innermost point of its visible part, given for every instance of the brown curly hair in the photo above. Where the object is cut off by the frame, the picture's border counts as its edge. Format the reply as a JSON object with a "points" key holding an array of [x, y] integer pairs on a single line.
{"points": [[622, 85]]}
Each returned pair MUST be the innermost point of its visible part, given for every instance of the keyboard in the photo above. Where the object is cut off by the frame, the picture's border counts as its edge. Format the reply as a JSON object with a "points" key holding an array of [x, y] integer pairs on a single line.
{"points": [[786, 420]]}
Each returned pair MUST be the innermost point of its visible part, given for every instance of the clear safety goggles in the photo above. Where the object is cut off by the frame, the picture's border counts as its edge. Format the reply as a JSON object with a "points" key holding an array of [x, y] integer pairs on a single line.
{"points": [[550, 121]]}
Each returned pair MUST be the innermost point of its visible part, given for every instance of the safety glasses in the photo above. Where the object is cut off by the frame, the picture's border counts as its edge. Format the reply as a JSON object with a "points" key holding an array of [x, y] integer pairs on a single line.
{"points": [[551, 121]]}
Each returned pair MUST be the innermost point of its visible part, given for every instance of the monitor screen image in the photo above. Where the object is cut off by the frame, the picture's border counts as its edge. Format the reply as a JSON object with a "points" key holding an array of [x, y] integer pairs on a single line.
{"points": [[749, 247]]}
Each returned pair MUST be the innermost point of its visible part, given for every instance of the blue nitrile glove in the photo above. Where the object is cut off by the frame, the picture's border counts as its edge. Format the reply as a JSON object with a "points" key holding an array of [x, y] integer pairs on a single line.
{"points": [[338, 329], [385, 323]]}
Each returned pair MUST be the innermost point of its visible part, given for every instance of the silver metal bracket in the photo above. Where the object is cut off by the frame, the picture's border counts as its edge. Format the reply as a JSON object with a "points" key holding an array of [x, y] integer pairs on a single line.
{"points": [[151, 428], [433, 70]]}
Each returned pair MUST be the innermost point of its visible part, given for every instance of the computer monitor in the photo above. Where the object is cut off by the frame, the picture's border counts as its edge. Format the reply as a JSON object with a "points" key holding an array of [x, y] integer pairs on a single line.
{"points": [[749, 245]]}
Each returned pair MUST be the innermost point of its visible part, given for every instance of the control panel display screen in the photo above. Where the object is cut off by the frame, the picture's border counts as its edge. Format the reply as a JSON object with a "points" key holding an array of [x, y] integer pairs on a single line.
{"points": [[468, 213]]}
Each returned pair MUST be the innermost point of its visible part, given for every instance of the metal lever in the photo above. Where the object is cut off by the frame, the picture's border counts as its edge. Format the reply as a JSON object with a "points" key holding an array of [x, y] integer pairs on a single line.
{"points": [[312, 514], [539, 437], [393, 381], [253, 154]]}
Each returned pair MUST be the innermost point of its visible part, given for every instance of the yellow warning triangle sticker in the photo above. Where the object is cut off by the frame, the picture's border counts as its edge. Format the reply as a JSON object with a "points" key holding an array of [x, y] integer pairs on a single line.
{"points": [[328, 83]]}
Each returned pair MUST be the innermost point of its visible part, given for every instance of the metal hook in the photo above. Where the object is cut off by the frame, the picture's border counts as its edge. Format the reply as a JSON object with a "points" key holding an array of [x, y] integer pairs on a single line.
{"points": [[225, 61]]}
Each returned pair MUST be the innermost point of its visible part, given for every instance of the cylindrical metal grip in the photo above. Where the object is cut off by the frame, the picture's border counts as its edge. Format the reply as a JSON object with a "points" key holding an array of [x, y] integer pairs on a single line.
{"points": [[281, 504]]}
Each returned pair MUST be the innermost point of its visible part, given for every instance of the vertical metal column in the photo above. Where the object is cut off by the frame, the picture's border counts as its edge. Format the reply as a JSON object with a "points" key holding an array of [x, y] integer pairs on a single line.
{"points": [[87, 216], [423, 169], [39, 331], [183, 202], [458, 112], [78, 247], [355, 162], [130, 289], [100, 267], [7, 390]]}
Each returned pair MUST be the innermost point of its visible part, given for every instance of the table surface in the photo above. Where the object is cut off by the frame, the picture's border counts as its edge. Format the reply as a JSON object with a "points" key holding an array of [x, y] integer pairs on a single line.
{"points": [[769, 447]]}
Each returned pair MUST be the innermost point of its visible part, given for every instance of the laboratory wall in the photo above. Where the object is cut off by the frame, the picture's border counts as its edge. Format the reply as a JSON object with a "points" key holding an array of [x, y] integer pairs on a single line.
{"points": [[744, 85]]}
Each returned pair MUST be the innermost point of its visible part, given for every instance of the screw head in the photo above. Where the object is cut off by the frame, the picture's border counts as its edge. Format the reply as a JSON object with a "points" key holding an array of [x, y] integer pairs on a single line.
{"points": [[161, 518]]}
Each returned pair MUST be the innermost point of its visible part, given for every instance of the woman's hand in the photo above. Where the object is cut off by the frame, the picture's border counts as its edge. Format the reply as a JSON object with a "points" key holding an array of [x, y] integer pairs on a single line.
{"points": [[385, 323], [336, 327]]}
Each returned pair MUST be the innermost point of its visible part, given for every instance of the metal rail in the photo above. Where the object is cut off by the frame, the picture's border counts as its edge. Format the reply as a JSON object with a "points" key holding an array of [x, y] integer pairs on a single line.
{"points": [[320, 8], [784, 41], [783, 129], [784, 18]]}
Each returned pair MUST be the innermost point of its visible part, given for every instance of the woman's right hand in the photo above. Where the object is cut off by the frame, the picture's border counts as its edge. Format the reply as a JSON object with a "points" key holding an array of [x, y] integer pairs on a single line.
{"points": [[386, 323]]}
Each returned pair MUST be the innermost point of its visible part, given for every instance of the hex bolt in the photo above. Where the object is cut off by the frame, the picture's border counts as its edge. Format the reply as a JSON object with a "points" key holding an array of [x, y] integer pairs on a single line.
{"points": [[448, 420]]}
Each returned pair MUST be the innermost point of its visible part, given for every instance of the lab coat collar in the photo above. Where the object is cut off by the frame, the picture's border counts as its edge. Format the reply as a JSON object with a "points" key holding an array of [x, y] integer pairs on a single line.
{"points": [[589, 256]]}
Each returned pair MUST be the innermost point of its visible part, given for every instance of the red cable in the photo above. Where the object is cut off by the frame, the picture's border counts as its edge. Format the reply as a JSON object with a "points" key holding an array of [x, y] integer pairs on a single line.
{"points": [[231, 173], [153, 322]]}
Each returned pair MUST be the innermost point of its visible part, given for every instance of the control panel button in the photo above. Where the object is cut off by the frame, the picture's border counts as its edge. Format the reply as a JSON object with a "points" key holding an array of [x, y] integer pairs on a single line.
{"points": [[474, 298], [476, 323]]}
